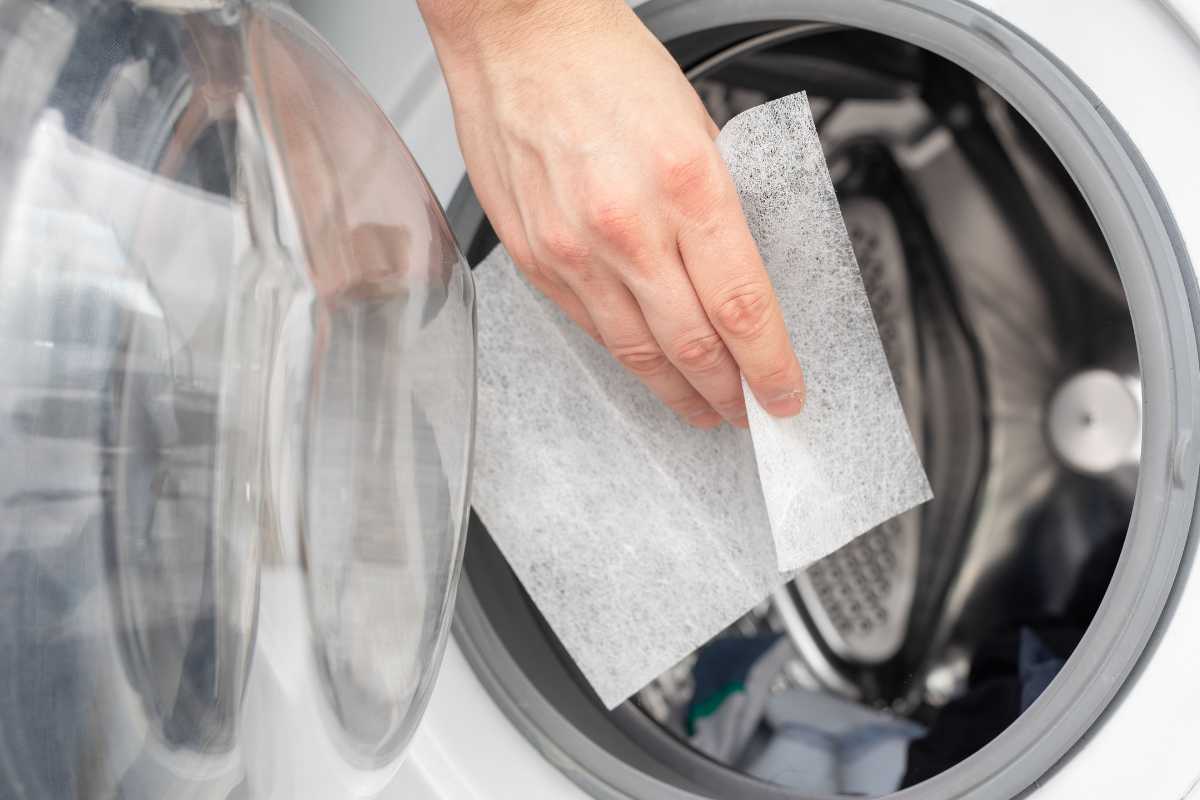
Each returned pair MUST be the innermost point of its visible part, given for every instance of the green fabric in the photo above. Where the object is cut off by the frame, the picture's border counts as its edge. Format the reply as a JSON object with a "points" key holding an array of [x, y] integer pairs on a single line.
{"points": [[710, 704]]}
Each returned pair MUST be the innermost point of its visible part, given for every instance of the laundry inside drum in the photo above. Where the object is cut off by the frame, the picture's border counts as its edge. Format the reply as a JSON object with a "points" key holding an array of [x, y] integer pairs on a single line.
{"points": [[1006, 329]]}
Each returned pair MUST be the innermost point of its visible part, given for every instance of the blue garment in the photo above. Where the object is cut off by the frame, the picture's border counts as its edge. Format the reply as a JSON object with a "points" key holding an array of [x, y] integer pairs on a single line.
{"points": [[1036, 666]]}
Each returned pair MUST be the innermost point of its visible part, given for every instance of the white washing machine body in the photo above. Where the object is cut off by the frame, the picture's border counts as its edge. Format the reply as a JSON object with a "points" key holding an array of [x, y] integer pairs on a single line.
{"points": [[1141, 61]]}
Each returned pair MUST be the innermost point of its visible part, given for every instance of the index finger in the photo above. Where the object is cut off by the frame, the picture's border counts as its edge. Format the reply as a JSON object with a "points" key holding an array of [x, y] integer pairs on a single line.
{"points": [[727, 272]]}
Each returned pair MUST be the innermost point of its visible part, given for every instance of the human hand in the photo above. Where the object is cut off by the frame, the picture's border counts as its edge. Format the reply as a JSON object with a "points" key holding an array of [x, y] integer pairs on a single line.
{"points": [[594, 159]]}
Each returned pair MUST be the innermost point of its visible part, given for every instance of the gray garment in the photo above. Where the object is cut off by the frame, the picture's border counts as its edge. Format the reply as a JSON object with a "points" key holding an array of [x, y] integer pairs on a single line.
{"points": [[823, 743]]}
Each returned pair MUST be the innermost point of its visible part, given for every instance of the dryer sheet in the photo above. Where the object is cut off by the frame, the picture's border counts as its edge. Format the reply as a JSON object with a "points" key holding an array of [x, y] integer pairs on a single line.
{"points": [[638, 537]]}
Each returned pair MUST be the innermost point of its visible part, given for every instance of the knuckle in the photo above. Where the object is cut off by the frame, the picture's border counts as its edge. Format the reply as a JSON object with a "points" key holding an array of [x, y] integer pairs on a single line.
{"points": [[520, 253], [643, 360], [559, 246], [530, 269], [776, 371], [731, 409], [696, 192], [685, 172], [542, 279], [701, 353], [705, 223], [617, 223], [744, 311], [704, 418], [691, 407], [687, 404]]}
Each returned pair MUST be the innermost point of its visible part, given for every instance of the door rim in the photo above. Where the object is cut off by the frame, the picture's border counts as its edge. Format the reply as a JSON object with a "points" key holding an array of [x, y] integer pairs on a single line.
{"points": [[1161, 289]]}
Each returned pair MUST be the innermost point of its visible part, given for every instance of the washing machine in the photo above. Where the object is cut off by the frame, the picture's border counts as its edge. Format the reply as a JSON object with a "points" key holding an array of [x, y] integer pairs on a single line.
{"points": [[1029, 168], [237, 335]]}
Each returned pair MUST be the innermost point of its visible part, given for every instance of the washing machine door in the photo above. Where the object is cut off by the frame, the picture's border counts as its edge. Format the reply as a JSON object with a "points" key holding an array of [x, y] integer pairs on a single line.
{"points": [[237, 371]]}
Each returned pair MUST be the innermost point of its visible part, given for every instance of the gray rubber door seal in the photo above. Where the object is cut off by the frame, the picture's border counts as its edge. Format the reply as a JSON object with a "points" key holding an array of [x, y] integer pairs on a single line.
{"points": [[1160, 285]]}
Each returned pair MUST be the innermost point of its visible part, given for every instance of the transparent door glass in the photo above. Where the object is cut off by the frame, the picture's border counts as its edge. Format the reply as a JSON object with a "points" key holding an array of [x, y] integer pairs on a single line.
{"points": [[237, 371]]}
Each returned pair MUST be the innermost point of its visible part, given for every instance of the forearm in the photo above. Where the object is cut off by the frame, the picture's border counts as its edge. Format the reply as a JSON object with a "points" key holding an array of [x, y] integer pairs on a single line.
{"points": [[468, 31]]}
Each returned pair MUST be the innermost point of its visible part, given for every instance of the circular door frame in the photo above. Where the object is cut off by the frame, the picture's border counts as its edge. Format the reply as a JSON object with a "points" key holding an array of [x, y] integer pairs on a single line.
{"points": [[1160, 285]]}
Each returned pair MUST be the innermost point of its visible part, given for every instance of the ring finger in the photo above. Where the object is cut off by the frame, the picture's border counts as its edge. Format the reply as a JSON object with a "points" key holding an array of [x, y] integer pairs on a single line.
{"points": [[624, 331]]}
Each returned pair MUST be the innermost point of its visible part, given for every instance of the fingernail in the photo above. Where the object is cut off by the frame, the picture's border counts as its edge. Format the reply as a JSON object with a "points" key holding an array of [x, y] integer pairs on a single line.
{"points": [[740, 422], [704, 419], [786, 404]]}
